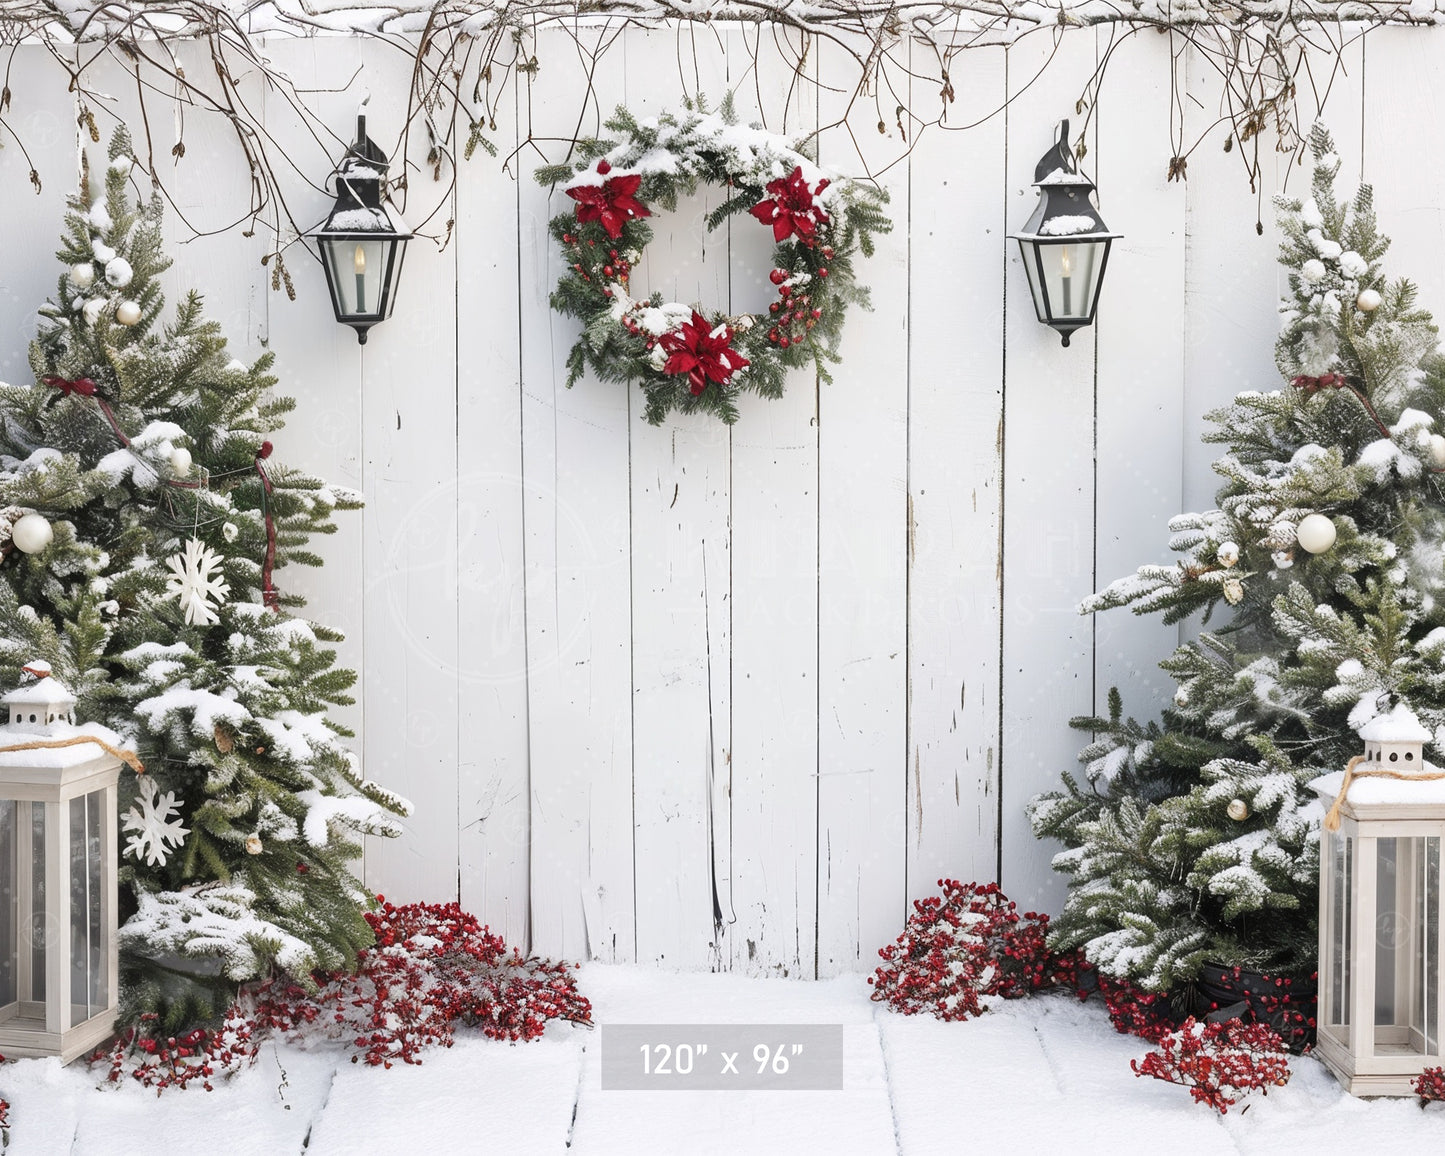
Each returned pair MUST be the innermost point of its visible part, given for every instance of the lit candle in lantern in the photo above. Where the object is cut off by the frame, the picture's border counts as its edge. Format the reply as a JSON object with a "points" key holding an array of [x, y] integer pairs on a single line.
{"points": [[1066, 268], [358, 263]]}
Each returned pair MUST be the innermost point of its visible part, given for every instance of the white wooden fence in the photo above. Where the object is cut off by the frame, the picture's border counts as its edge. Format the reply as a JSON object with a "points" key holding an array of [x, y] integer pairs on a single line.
{"points": [[731, 698]]}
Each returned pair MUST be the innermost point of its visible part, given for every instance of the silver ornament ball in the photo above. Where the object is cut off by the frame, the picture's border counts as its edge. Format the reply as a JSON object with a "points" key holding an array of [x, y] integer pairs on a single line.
{"points": [[127, 312], [82, 276]]}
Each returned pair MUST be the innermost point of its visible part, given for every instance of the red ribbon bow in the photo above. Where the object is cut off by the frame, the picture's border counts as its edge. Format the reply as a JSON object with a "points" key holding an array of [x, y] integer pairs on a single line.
{"points": [[613, 203], [1314, 384], [81, 385], [791, 208], [703, 352]]}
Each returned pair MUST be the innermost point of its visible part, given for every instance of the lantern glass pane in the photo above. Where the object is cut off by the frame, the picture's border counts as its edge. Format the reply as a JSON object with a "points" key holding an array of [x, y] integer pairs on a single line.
{"points": [[1341, 868], [1426, 947], [359, 269], [36, 913], [78, 921], [1071, 276], [87, 973], [1407, 874], [9, 905], [95, 872]]}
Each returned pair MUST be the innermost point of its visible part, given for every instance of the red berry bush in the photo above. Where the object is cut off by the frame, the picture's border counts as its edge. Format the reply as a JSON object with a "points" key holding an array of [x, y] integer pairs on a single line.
{"points": [[965, 944], [1219, 1063], [1134, 1011], [433, 968], [1430, 1085]]}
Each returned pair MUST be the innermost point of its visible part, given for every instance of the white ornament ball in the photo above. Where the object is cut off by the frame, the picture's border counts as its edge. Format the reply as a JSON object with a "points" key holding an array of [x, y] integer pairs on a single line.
{"points": [[1228, 553], [1316, 533], [1368, 301], [229, 531], [253, 844], [1238, 810], [82, 276], [1437, 451], [31, 533], [93, 310], [180, 461], [127, 313], [1312, 270], [118, 272], [102, 252]]}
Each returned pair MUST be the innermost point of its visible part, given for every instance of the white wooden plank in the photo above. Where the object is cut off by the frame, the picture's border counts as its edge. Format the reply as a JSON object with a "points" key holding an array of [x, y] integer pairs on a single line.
{"points": [[493, 823], [1048, 499], [956, 254], [681, 575], [409, 430], [318, 362], [1140, 343], [40, 122], [863, 560], [775, 612], [579, 621], [1403, 157]]}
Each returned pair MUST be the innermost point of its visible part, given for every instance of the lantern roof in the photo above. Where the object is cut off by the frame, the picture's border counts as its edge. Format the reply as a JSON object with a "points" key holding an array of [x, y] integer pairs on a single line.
{"points": [[60, 758], [1408, 796], [1399, 725], [44, 691]]}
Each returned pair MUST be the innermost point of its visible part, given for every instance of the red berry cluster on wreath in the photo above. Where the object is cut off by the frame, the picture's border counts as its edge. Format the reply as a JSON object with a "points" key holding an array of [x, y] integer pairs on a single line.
{"points": [[968, 943], [1220, 1062], [794, 316], [1430, 1085]]}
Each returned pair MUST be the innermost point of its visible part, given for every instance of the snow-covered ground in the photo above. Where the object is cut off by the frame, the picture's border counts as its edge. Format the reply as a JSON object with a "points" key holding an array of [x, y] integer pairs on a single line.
{"points": [[1046, 1071]]}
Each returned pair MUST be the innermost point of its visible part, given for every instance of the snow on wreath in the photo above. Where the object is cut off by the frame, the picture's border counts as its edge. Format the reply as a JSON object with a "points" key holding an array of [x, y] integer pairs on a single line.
{"points": [[686, 356]]}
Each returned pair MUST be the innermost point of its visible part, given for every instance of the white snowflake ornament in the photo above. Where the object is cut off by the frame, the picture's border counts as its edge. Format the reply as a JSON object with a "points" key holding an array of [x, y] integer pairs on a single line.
{"points": [[195, 582], [155, 819]]}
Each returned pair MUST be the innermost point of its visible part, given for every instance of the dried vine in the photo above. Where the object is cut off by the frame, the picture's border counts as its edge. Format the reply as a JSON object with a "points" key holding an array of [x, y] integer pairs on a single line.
{"points": [[465, 54]]}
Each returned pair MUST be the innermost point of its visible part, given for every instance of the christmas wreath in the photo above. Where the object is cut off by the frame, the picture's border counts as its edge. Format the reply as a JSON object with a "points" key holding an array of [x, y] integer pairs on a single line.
{"points": [[685, 356]]}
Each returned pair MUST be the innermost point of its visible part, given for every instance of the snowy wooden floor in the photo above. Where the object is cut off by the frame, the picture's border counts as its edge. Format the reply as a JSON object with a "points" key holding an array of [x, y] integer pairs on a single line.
{"points": [[1029, 1074]]}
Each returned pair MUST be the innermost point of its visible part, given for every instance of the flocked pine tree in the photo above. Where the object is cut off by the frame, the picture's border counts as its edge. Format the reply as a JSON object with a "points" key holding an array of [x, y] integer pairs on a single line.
{"points": [[1195, 838], [138, 439]]}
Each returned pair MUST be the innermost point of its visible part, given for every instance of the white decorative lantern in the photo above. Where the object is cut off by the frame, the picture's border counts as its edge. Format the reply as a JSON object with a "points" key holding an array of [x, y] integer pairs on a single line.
{"points": [[58, 957], [1380, 1002]]}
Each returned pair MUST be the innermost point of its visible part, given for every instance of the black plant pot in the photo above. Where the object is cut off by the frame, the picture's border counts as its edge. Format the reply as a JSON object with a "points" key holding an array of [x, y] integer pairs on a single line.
{"points": [[1285, 1003]]}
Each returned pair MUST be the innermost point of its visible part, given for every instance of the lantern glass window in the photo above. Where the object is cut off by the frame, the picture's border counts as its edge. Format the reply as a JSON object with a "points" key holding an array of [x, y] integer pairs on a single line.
{"points": [[1407, 965], [362, 272], [89, 989], [1064, 277], [1338, 870]]}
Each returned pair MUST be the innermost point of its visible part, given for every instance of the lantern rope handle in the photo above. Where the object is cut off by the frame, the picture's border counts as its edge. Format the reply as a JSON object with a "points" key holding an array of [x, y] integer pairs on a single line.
{"points": [[1332, 817], [130, 758]]}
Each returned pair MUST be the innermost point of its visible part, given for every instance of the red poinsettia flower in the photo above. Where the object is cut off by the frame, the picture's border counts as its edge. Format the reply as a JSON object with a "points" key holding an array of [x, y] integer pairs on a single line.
{"points": [[791, 208], [613, 202], [703, 352]]}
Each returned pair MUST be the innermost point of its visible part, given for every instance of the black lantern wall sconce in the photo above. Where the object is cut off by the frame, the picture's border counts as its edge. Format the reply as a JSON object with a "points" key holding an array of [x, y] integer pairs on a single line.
{"points": [[363, 239], [1065, 244]]}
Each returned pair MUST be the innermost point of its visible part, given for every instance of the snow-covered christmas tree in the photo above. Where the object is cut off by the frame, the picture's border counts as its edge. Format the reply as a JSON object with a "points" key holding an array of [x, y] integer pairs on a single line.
{"points": [[1195, 838], [141, 518]]}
